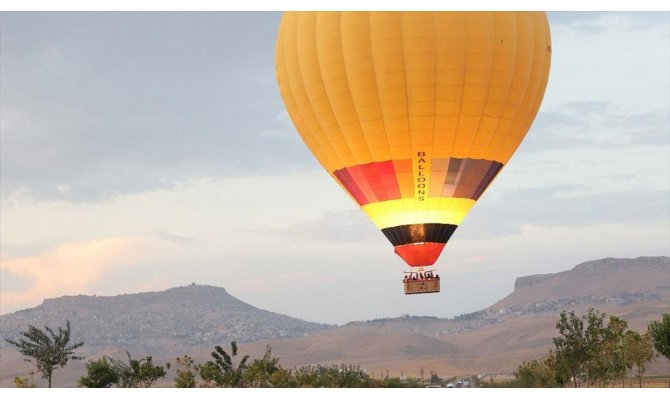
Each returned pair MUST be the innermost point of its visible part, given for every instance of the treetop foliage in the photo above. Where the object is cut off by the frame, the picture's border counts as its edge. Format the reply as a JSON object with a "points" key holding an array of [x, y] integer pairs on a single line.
{"points": [[48, 352]]}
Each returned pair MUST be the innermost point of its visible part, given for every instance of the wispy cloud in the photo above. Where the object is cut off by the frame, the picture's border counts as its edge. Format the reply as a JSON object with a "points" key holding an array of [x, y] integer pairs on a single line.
{"points": [[598, 22], [68, 268], [170, 237], [596, 124], [335, 227], [15, 281], [563, 205]]}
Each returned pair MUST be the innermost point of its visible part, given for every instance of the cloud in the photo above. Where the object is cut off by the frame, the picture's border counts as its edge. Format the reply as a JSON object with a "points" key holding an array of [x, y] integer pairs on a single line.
{"points": [[175, 238], [598, 125], [15, 281], [107, 104], [348, 226], [562, 205], [68, 268], [599, 22]]}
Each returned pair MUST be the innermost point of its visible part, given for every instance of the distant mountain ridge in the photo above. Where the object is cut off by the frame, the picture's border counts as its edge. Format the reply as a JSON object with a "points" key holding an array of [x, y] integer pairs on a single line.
{"points": [[598, 267], [604, 280], [152, 321]]}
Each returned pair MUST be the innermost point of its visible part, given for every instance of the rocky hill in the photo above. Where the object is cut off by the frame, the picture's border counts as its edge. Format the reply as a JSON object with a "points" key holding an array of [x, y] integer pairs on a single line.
{"points": [[608, 283], [180, 317], [609, 280]]}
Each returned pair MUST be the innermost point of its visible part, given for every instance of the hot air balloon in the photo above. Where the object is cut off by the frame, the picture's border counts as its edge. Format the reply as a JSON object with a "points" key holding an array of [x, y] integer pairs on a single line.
{"points": [[413, 114]]}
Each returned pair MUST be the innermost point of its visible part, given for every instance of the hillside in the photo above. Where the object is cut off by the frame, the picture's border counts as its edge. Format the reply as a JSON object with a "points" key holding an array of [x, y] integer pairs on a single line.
{"points": [[497, 339], [609, 280], [192, 319], [181, 317]]}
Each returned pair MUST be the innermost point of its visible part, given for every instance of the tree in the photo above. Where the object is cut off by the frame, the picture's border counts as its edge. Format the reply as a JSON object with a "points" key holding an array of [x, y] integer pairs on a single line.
{"points": [[347, 376], [222, 370], [595, 334], [283, 378], [26, 382], [387, 382], [571, 345], [659, 333], [306, 376], [609, 361], [561, 372], [48, 352], [334, 376], [185, 378], [139, 373], [100, 373], [105, 372], [639, 351], [261, 371], [536, 374], [586, 347], [210, 373]]}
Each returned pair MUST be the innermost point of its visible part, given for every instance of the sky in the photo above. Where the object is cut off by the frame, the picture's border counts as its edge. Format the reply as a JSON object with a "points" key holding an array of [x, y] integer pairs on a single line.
{"points": [[143, 151]]}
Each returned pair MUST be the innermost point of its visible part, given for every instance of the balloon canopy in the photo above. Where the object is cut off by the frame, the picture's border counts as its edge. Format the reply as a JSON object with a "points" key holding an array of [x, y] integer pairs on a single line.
{"points": [[414, 114]]}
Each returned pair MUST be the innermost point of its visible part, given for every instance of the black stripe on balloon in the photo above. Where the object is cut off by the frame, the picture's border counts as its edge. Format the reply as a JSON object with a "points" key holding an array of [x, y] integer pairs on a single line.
{"points": [[418, 233]]}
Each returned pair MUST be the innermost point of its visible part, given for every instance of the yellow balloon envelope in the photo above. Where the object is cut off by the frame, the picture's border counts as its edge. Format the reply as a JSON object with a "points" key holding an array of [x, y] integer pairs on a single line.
{"points": [[414, 114]]}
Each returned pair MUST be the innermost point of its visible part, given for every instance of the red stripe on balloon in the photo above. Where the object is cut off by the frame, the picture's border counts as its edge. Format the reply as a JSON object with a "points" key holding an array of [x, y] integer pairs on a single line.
{"points": [[369, 183], [420, 254]]}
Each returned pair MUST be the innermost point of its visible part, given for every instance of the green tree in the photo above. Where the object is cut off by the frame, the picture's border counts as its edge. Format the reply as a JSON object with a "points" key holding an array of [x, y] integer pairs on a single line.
{"points": [[306, 377], [609, 361], [536, 374], [185, 378], [210, 373], [595, 337], [100, 373], [223, 371], [571, 345], [397, 383], [26, 382], [659, 332], [106, 371], [561, 373], [283, 378], [589, 349], [139, 372], [260, 372], [334, 376], [48, 352], [348, 376], [638, 351]]}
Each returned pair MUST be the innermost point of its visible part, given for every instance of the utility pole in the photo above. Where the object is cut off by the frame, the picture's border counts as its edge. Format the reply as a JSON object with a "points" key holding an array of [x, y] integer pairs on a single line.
{"points": [[422, 375]]}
